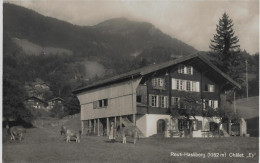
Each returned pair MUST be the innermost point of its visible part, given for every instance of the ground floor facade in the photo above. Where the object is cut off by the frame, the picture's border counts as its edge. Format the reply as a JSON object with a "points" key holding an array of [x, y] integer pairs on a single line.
{"points": [[149, 125], [153, 124]]}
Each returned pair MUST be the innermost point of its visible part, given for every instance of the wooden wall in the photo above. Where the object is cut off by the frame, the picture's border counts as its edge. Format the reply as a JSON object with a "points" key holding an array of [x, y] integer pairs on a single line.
{"points": [[121, 100]]}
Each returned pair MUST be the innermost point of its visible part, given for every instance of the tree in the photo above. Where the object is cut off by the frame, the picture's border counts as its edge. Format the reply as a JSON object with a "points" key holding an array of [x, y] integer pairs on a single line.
{"points": [[225, 52], [13, 107], [190, 106], [224, 40]]}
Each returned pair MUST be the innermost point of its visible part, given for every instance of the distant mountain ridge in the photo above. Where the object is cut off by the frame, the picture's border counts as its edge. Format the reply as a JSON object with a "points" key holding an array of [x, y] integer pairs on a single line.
{"points": [[112, 38]]}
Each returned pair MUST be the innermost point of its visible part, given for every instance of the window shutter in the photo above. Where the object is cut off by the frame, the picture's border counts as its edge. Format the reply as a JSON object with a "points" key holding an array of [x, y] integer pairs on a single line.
{"points": [[197, 86], [185, 70], [161, 82], [166, 102], [184, 85], [193, 86], [191, 69], [210, 103], [174, 83], [95, 104], [213, 88], [215, 104], [159, 102]]}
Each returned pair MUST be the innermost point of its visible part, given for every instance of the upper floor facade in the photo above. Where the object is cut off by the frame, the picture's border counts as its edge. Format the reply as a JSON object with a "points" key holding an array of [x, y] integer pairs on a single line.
{"points": [[156, 89]]}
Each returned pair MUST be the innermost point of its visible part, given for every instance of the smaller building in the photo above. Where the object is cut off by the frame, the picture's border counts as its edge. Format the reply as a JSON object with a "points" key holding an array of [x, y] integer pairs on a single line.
{"points": [[34, 102], [55, 102]]}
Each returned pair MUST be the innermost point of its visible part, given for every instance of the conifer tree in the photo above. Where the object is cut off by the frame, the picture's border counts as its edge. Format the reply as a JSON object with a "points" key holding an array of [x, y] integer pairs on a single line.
{"points": [[225, 52]]}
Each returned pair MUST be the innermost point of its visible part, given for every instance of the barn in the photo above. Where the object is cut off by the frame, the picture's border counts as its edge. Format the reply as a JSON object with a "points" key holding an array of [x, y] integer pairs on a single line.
{"points": [[145, 98]]}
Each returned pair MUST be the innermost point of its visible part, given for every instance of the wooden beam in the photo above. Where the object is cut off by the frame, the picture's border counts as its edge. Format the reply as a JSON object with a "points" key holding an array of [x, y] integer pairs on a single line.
{"points": [[82, 127], [90, 126], [98, 132], [120, 122], [94, 126], [115, 121], [107, 126], [134, 120]]}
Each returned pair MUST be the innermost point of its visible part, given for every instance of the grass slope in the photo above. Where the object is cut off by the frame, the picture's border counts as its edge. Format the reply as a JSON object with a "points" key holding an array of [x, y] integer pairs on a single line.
{"points": [[46, 145], [249, 110]]}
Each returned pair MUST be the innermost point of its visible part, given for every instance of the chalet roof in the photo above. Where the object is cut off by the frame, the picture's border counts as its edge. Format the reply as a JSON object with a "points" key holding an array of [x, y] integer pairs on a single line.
{"points": [[152, 68], [33, 97]]}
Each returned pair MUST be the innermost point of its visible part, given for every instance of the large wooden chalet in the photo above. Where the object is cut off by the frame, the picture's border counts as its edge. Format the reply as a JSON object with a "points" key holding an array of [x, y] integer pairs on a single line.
{"points": [[144, 97]]}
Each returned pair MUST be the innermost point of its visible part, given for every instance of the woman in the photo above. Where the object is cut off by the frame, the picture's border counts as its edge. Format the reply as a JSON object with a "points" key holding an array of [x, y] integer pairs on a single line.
{"points": [[112, 133]]}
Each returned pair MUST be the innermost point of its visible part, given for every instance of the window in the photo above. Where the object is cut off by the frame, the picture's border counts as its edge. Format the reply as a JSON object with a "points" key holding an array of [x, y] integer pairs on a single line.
{"points": [[185, 85], [181, 85], [182, 69], [139, 98], [176, 102], [105, 101], [190, 70], [154, 101], [181, 124], [210, 103], [158, 101], [158, 82], [188, 85], [195, 86], [210, 88], [213, 104], [163, 101], [100, 103]]}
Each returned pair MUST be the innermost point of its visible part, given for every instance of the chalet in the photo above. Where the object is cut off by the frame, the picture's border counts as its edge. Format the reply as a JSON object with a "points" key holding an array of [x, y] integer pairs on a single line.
{"points": [[54, 102], [145, 97], [34, 102]]}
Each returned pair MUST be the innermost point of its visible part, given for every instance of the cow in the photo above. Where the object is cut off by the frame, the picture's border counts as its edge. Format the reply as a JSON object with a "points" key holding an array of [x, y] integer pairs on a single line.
{"points": [[127, 131], [72, 134], [63, 130], [17, 131]]}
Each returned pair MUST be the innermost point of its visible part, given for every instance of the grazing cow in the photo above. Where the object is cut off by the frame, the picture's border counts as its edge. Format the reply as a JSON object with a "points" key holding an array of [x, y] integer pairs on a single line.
{"points": [[17, 131], [63, 130], [72, 134], [127, 131]]}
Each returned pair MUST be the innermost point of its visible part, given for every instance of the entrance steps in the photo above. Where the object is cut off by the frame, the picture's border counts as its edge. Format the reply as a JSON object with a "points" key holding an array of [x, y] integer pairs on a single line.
{"points": [[128, 124]]}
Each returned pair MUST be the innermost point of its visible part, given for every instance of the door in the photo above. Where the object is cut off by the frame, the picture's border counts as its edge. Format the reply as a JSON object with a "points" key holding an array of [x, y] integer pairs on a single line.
{"points": [[160, 126]]}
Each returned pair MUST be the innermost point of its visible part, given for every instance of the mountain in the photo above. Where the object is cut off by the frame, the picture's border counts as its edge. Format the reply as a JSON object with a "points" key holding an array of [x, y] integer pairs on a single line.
{"points": [[111, 38]]}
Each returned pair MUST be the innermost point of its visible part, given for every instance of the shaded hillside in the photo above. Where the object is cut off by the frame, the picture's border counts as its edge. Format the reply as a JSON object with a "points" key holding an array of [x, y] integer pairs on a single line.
{"points": [[114, 38]]}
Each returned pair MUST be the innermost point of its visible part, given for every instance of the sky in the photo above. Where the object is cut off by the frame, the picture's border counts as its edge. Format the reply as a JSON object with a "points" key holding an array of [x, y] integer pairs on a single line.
{"points": [[191, 21]]}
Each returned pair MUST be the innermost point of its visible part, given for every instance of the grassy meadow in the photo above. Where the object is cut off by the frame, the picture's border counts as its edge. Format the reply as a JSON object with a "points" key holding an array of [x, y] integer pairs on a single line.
{"points": [[47, 145]]}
